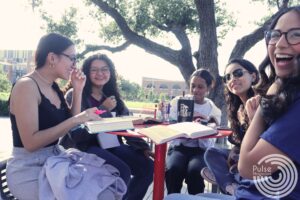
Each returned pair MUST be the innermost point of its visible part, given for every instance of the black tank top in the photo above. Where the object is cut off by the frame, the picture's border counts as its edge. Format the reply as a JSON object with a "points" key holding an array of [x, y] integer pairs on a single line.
{"points": [[49, 115]]}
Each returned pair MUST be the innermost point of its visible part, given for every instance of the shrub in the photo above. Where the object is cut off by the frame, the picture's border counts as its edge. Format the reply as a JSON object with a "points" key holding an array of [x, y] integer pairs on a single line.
{"points": [[3, 107]]}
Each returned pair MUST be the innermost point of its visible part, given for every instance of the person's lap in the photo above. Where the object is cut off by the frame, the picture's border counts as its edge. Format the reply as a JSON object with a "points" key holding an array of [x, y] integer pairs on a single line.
{"points": [[114, 161], [216, 161], [175, 171], [136, 160], [142, 169], [184, 163]]}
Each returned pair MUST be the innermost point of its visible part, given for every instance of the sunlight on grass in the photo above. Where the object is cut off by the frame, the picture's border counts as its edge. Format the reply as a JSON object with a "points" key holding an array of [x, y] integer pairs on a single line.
{"points": [[143, 105]]}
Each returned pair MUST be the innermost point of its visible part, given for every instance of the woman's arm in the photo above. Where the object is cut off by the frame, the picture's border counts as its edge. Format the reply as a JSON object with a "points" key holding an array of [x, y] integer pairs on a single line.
{"points": [[25, 99], [173, 109], [253, 148], [78, 81], [110, 103], [216, 114]]}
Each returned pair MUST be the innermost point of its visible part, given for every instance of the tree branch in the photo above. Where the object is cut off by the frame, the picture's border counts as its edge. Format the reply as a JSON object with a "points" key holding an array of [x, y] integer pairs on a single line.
{"points": [[90, 48], [248, 41], [160, 26], [177, 30], [152, 47]]}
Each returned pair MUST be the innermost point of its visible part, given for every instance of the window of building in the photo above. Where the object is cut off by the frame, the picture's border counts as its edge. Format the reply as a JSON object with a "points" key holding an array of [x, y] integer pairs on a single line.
{"points": [[176, 87], [163, 86], [150, 85]]}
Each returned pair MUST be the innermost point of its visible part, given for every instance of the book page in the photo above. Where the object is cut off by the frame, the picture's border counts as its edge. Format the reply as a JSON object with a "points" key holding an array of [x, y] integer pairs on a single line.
{"points": [[109, 124], [192, 129], [160, 134]]}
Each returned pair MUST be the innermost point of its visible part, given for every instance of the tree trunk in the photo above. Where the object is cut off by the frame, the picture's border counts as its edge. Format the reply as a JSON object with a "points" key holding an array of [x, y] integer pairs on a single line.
{"points": [[207, 55]]}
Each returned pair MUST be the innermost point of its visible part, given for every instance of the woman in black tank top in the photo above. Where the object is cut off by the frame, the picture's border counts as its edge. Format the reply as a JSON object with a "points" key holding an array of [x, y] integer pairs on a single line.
{"points": [[40, 115]]}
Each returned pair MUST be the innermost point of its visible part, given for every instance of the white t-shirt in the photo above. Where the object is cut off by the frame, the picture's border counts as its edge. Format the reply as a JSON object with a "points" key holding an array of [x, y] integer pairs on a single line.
{"points": [[208, 109]]}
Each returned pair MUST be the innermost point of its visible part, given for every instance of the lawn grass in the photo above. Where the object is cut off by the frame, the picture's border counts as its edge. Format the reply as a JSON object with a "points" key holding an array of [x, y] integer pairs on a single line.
{"points": [[137, 104]]}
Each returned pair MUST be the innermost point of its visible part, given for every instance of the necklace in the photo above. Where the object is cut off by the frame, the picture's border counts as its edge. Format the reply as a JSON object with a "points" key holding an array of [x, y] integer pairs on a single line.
{"points": [[43, 78]]}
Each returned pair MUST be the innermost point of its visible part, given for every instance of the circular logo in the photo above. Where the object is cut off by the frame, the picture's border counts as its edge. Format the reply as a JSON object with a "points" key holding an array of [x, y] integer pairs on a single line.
{"points": [[280, 186]]}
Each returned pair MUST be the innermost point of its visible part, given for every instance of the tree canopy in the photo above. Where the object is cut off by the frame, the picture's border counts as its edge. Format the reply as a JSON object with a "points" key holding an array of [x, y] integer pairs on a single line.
{"points": [[149, 24]]}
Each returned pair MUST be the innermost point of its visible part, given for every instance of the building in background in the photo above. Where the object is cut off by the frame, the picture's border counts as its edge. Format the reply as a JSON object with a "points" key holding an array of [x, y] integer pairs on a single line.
{"points": [[167, 87], [16, 63]]}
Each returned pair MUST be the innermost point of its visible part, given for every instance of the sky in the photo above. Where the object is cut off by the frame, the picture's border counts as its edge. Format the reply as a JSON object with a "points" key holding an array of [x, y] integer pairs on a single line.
{"points": [[21, 29]]}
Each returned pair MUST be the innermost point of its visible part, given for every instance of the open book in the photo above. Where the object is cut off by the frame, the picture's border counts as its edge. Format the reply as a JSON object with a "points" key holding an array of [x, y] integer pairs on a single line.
{"points": [[162, 134], [110, 124]]}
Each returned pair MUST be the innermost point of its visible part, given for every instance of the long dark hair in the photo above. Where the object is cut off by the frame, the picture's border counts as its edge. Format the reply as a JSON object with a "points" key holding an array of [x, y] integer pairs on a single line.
{"points": [[234, 102], [110, 88], [52, 42], [274, 106], [55, 43], [266, 68]]}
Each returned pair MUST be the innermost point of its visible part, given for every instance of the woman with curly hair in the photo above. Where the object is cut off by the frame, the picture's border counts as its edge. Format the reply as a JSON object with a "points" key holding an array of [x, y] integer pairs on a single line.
{"points": [[240, 76], [101, 91], [274, 130]]}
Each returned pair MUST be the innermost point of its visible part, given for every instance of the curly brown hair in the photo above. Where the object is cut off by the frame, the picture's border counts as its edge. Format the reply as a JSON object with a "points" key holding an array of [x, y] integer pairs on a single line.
{"points": [[274, 106], [234, 103]]}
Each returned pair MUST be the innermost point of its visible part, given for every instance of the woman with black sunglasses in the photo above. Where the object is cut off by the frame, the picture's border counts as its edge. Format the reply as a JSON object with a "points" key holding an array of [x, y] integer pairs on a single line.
{"points": [[240, 76]]}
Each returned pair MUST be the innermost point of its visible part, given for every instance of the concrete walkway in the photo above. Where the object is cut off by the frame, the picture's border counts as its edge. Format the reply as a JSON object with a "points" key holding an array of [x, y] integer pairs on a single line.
{"points": [[5, 138]]}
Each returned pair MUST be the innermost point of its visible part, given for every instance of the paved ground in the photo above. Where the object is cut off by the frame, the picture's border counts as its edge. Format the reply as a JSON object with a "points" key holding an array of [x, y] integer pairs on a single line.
{"points": [[5, 138]]}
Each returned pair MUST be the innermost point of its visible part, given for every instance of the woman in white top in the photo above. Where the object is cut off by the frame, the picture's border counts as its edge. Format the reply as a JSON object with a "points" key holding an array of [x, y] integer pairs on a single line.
{"points": [[185, 156]]}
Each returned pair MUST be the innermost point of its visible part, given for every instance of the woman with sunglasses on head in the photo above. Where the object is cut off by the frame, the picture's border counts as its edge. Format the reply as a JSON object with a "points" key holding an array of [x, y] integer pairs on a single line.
{"points": [[101, 90], [274, 131], [39, 114], [185, 156], [240, 76]]}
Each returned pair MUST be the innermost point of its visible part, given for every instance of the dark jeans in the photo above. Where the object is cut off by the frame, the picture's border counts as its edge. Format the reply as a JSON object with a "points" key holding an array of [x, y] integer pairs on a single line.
{"points": [[112, 160], [184, 163], [141, 168], [216, 161]]}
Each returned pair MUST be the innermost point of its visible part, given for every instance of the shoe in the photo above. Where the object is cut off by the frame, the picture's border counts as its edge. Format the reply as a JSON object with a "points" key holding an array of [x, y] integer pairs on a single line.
{"points": [[230, 188], [208, 175]]}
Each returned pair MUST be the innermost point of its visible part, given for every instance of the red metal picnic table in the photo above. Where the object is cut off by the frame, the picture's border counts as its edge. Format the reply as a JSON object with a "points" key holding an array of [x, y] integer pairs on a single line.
{"points": [[160, 155]]}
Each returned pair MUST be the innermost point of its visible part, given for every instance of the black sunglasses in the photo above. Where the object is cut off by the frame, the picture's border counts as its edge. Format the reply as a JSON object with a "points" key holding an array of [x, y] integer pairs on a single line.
{"points": [[236, 74]]}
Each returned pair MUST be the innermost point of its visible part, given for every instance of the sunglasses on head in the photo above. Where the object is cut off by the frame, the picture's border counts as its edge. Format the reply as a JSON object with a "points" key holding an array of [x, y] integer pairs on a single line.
{"points": [[236, 74]]}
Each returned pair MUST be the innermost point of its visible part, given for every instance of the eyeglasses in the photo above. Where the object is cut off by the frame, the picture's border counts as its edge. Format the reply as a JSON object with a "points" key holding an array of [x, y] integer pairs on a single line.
{"points": [[103, 70], [292, 36], [238, 73], [72, 58]]}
